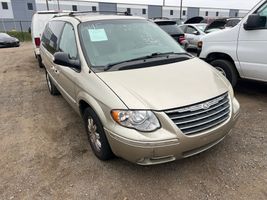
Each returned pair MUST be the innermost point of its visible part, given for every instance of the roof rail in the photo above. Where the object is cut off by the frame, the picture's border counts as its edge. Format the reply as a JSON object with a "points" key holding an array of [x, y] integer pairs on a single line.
{"points": [[75, 13]]}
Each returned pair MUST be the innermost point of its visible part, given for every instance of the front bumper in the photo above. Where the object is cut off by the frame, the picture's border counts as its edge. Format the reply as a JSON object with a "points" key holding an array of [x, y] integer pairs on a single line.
{"points": [[162, 151]]}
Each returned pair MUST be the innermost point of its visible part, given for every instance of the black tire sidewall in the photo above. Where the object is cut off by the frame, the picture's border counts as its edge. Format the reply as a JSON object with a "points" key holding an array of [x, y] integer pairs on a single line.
{"points": [[53, 91], [39, 59], [228, 68], [105, 152]]}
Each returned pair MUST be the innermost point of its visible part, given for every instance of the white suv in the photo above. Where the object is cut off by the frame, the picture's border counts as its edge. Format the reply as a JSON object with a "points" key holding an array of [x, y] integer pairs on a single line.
{"points": [[240, 52]]}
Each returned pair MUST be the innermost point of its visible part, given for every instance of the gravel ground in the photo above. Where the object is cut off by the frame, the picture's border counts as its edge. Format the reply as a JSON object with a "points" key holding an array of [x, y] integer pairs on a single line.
{"points": [[44, 152]]}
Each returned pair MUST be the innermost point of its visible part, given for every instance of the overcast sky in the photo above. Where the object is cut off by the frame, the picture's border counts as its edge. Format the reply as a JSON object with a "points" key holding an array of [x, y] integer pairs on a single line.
{"points": [[238, 4]]}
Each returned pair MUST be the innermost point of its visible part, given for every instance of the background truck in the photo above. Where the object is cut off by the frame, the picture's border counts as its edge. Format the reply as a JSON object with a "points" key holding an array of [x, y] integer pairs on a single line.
{"points": [[241, 51]]}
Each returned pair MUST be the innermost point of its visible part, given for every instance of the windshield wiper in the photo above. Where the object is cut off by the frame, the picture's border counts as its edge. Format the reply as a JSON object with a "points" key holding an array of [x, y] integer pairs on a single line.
{"points": [[153, 55]]}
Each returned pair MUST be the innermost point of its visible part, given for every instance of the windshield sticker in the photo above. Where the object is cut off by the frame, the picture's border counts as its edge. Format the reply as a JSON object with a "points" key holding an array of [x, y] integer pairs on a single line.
{"points": [[98, 35]]}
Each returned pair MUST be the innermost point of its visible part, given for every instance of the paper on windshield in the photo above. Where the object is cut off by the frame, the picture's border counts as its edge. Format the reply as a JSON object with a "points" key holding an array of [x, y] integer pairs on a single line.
{"points": [[97, 35]]}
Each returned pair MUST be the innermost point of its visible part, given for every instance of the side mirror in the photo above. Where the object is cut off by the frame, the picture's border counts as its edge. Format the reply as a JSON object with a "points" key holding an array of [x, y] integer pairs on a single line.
{"points": [[196, 33], [255, 22], [61, 58]]}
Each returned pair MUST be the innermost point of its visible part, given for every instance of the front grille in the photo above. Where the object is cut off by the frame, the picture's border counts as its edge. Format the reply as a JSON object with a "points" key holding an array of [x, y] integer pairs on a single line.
{"points": [[202, 116]]}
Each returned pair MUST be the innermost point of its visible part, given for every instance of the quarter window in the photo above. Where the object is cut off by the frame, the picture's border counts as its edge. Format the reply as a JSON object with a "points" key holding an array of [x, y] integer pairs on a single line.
{"points": [[68, 42], [4, 6]]}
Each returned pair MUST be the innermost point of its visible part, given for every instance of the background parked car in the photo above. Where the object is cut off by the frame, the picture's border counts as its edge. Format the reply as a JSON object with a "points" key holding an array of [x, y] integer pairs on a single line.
{"points": [[193, 34], [172, 28], [8, 41], [39, 21], [219, 24]]}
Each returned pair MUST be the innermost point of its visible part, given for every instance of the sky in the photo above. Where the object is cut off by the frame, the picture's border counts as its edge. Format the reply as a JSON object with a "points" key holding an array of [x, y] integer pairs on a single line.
{"points": [[237, 4]]}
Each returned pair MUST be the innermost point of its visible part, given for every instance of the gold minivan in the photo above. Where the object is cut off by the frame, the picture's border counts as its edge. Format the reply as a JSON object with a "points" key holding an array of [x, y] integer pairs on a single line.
{"points": [[141, 96]]}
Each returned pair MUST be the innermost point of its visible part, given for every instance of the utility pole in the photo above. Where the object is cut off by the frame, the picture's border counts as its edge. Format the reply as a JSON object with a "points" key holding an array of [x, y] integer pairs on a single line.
{"points": [[47, 6], [181, 9], [58, 5], [163, 4]]}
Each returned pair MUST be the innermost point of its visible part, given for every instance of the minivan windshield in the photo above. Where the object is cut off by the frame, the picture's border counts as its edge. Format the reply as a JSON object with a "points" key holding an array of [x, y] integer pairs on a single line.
{"points": [[106, 42]]}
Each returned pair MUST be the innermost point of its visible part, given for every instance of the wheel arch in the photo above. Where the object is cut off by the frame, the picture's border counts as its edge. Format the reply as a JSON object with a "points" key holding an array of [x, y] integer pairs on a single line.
{"points": [[85, 101], [222, 56]]}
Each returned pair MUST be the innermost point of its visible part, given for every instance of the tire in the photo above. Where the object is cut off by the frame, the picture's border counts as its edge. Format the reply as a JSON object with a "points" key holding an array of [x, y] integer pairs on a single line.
{"points": [[39, 59], [227, 69], [96, 135], [51, 87]]}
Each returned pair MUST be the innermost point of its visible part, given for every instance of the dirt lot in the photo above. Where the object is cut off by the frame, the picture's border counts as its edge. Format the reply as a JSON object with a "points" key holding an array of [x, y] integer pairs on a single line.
{"points": [[44, 152]]}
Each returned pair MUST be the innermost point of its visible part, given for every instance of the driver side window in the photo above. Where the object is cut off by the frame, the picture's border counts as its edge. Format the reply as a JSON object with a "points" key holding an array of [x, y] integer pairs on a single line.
{"points": [[263, 12], [67, 42]]}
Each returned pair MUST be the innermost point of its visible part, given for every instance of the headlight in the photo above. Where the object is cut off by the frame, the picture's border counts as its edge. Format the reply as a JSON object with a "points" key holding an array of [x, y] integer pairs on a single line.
{"points": [[141, 120]]}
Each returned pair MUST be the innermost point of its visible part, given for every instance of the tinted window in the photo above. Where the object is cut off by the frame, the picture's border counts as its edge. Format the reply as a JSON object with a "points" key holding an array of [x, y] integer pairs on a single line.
{"points": [[170, 27], [51, 35], [68, 42]]}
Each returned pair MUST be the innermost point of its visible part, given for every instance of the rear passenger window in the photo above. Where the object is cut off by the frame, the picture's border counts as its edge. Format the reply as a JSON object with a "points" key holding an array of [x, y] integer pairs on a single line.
{"points": [[190, 30], [68, 42], [51, 35]]}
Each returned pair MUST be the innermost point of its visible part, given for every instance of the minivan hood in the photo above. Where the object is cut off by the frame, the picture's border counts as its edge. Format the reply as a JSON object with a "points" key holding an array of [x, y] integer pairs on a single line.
{"points": [[166, 86]]}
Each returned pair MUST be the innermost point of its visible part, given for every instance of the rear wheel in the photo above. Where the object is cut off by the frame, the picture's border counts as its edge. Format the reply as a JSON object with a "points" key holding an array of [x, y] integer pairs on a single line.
{"points": [[96, 135], [227, 68], [51, 87]]}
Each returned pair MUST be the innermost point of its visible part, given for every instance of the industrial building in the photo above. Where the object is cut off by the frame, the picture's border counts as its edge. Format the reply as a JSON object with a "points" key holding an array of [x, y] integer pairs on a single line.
{"points": [[17, 14]]}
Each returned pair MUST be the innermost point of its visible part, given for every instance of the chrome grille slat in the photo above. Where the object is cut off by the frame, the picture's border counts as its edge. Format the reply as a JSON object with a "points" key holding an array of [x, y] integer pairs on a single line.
{"points": [[199, 112], [206, 127], [204, 122], [202, 117], [195, 118]]}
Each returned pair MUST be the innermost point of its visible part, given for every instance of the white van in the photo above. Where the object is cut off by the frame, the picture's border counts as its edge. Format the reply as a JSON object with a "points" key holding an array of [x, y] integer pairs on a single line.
{"points": [[240, 52], [39, 21]]}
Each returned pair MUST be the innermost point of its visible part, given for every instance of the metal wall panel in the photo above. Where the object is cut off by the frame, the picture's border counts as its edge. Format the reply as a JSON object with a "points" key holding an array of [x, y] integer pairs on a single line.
{"points": [[234, 13], [107, 7], [154, 11], [192, 12]]}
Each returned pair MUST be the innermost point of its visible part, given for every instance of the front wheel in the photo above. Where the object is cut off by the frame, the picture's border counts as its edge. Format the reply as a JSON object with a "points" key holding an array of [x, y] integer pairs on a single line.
{"points": [[96, 135], [227, 68]]}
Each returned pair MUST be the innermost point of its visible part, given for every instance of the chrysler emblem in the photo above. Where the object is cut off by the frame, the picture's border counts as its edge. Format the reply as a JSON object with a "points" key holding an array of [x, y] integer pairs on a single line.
{"points": [[205, 106]]}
